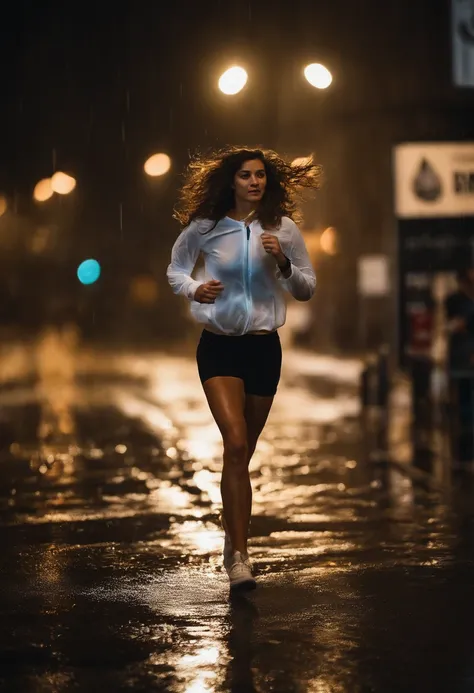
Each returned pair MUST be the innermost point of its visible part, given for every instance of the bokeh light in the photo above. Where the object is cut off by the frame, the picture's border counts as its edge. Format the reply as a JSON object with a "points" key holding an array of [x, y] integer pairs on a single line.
{"points": [[88, 271], [43, 190], [233, 80], [3, 205], [157, 165], [328, 241], [318, 75], [312, 241], [62, 184], [40, 240], [144, 290]]}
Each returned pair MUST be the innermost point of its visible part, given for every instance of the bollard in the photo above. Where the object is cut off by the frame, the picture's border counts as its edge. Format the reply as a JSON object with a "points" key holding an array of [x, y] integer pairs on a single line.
{"points": [[374, 392], [365, 386], [367, 381], [383, 378], [375, 380]]}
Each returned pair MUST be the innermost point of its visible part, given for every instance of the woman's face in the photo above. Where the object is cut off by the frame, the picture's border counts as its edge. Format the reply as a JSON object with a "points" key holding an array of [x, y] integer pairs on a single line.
{"points": [[250, 181]]}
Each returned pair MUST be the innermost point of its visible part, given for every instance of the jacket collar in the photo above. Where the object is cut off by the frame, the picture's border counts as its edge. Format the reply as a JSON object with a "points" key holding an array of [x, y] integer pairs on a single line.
{"points": [[224, 226]]}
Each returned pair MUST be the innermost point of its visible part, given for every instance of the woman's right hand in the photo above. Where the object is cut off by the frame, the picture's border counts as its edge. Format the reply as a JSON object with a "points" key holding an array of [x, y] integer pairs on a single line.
{"points": [[208, 292]]}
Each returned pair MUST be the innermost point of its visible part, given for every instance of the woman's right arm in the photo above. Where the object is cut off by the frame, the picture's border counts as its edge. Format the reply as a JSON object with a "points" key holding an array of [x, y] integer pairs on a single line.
{"points": [[184, 255]]}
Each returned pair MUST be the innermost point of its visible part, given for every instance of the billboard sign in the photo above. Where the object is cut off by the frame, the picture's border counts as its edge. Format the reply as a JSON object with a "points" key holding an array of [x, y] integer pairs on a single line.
{"points": [[434, 179]]}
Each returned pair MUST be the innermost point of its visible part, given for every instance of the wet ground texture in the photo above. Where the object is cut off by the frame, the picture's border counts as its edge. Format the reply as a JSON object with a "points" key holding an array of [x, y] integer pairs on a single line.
{"points": [[111, 576]]}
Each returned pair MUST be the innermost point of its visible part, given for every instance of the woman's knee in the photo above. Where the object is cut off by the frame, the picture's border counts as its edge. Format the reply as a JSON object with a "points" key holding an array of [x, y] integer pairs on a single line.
{"points": [[236, 448]]}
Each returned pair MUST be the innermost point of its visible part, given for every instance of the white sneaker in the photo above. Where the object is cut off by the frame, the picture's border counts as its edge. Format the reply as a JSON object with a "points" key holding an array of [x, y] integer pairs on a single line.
{"points": [[239, 572], [228, 552]]}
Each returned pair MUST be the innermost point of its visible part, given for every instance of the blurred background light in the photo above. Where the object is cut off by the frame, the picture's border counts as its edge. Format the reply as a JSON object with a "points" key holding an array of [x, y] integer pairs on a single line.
{"points": [[328, 241], [62, 184], [233, 80], [40, 240], [3, 205], [157, 165], [144, 290], [312, 241], [318, 75], [88, 271], [43, 190]]}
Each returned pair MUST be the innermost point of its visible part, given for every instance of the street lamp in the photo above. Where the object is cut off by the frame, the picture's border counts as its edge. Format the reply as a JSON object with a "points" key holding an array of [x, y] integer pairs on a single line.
{"points": [[157, 165], [318, 75], [43, 190], [62, 184], [233, 80]]}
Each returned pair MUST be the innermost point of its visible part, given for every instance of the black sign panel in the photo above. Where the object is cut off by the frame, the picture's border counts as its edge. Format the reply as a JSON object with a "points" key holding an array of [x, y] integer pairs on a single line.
{"points": [[426, 247]]}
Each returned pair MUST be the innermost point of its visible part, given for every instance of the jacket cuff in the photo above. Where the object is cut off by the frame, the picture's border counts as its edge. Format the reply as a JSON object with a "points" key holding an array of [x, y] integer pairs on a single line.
{"points": [[279, 274], [191, 289]]}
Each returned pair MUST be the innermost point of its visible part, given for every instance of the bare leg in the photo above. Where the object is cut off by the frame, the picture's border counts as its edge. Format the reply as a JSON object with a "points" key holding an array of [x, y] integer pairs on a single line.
{"points": [[226, 398], [256, 413]]}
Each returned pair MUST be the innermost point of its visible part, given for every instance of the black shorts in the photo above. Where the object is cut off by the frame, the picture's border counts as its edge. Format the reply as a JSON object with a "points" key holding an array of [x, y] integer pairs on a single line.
{"points": [[256, 359]]}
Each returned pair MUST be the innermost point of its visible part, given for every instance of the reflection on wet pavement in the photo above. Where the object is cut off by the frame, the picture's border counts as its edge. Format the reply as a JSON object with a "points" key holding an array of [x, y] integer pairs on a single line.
{"points": [[111, 575]]}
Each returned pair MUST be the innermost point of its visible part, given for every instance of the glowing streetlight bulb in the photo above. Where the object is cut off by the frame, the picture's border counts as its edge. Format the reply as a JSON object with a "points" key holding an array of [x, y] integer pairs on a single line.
{"points": [[233, 80], [318, 75], [157, 165], [62, 184], [43, 190]]}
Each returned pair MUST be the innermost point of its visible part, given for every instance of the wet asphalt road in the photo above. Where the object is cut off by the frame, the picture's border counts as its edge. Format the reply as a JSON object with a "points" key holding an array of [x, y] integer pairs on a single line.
{"points": [[111, 577]]}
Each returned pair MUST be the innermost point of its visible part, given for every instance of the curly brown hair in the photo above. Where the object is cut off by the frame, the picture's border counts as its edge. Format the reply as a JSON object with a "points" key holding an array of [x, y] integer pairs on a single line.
{"points": [[207, 191]]}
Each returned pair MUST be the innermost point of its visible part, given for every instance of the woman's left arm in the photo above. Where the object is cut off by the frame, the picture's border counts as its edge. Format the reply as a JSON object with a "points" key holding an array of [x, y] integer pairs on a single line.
{"points": [[299, 279]]}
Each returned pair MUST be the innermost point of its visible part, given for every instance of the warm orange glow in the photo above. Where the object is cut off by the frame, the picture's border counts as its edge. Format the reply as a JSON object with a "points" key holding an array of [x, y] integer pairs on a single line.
{"points": [[3, 205], [43, 190], [301, 160], [62, 184], [40, 240], [233, 80], [318, 75], [328, 241], [313, 243], [157, 165], [144, 290]]}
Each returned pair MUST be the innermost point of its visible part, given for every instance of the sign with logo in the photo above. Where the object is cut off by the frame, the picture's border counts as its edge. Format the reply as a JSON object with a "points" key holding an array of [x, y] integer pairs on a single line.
{"points": [[434, 179], [462, 39], [373, 275]]}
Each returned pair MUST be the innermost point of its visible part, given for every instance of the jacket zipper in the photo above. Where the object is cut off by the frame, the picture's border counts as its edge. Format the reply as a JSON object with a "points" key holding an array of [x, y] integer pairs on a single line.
{"points": [[247, 277]]}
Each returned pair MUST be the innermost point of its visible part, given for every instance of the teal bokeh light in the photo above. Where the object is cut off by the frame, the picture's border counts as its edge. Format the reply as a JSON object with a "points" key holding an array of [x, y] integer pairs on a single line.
{"points": [[88, 271]]}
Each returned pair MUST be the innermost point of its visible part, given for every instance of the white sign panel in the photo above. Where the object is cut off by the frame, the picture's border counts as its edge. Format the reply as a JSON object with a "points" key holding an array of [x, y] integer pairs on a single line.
{"points": [[373, 275], [434, 179], [462, 39]]}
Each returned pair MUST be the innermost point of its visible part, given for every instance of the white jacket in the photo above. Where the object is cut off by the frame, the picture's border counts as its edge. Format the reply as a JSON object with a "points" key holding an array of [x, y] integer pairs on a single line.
{"points": [[253, 297]]}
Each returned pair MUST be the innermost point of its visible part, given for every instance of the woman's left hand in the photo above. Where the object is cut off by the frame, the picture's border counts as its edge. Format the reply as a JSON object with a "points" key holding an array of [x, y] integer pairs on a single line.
{"points": [[272, 246]]}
